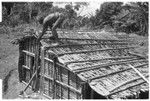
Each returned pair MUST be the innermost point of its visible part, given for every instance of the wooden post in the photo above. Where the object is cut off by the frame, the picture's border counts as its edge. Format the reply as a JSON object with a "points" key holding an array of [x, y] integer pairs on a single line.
{"points": [[61, 81], [21, 62], [27, 71], [42, 70], [68, 84], [29, 57], [37, 57], [84, 86], [92, 94], [32, 59], [54, 74]]}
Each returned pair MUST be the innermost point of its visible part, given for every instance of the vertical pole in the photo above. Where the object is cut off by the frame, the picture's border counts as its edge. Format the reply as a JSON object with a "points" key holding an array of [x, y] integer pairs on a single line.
{"points": [[32, 62], [68, 84], [42, 70], [53, 83], [28, 62], [37, 56], [33, 67], [83, 96], [29, 57], [54, 75], [26, 73], [92, 94], [21, 62], [61, 81]]}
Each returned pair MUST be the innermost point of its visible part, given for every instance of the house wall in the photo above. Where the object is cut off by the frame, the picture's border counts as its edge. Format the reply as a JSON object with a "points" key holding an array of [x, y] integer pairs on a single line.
{"points": [[26, 59], [57, 81], [54, 80]]}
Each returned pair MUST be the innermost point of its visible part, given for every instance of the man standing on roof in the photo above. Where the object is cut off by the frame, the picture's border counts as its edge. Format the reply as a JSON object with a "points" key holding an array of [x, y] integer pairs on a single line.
{"points": [[53, 21]]}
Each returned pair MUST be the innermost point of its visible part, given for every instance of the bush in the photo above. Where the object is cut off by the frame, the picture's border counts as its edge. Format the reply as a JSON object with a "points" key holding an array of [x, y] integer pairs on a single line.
{"points": [[24, 16], [14, 20]]}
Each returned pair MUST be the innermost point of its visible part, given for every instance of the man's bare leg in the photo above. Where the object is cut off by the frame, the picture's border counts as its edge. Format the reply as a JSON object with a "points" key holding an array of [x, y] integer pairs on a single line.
{"points": [[54, 32]]}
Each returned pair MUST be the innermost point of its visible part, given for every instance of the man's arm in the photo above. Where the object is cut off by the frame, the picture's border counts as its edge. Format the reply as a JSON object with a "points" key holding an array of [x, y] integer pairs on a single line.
{"points": [[43, 32]]}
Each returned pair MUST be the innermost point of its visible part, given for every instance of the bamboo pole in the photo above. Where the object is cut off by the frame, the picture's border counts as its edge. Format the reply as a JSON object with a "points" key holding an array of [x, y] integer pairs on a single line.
{"points": [[28, 53], [29, 57], [42, 70], [21, 62], [32, 59], [141, 75], [69, 83], [37, 56], [92, 60], [84, 91], [139, 55], [127, 88], [54, 77], [84, 39], [124, 83], [73, 45], [109, 64], [28, 64], [98, 77], [88, 51], [25, 43], [26, 67]]}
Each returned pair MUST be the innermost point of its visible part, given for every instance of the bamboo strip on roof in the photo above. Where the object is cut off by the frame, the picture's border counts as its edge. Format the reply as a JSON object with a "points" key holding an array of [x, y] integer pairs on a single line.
{"points": [[89, 51], [109, 64], [81, 44], [138, 73], [123, 89], [109, 58], [113, 70], [124, 83]]}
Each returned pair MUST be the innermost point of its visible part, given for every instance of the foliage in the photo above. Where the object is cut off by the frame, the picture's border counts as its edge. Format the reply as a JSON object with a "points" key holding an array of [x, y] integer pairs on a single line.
{"points": [[75, 21], [135, 19], [8, 6], [107, 10], [24, 12], [131, 17]]}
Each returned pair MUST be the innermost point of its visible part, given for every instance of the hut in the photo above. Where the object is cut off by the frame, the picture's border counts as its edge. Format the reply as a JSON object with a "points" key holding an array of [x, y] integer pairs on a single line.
{"points": [[85, 65]]}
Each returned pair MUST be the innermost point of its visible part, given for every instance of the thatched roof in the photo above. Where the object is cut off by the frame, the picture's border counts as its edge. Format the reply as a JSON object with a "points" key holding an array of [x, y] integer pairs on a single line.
{"points": [[103, 61]]}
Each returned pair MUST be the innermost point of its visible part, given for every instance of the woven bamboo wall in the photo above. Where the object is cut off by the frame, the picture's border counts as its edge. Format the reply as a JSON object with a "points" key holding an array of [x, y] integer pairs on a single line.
{"points": [[58, 82], [26, 61]]}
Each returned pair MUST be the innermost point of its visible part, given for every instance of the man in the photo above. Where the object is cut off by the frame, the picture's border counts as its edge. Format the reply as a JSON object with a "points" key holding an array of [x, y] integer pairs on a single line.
{"points": [[53, 21]]}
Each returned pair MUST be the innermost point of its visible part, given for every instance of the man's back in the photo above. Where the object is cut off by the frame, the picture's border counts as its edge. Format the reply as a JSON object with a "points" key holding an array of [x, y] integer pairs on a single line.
{"points": [[52, 18]]}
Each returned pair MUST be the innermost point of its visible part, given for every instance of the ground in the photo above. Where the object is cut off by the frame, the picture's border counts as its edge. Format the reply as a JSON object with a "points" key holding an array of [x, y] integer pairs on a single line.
{"points": [[9, 60]]}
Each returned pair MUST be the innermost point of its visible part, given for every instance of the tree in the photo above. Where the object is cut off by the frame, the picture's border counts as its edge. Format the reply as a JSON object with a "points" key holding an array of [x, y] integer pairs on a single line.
{"points": [[107, 10], [139, 14], [8, 6], [38, 7], [134, 18], [71, 21], [76, 21]]}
